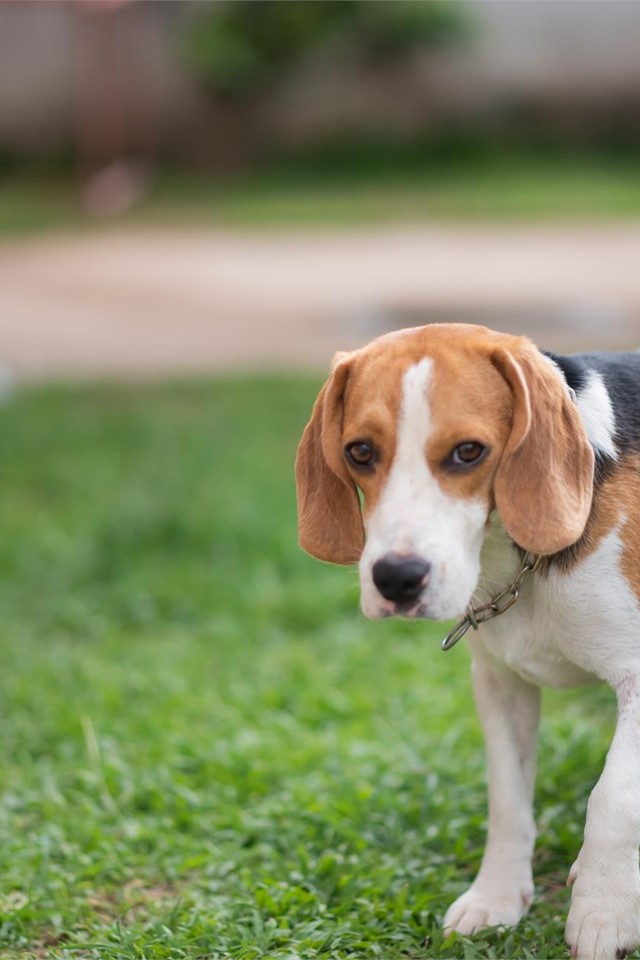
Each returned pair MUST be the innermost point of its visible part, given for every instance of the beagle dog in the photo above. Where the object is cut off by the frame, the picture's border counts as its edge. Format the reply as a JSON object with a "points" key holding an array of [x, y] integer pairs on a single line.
{"points": [[448, 461]]}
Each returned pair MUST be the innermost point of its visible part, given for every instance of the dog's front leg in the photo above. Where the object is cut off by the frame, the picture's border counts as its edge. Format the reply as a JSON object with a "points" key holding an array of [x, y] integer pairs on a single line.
{"points": [[509, 709], [604, 919]]}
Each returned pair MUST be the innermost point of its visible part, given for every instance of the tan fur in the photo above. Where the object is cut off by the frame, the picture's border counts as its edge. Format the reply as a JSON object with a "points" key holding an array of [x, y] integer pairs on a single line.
{"points": [[617, 502], [544, 484], [487, 387], [329, 521], [631, 527]]}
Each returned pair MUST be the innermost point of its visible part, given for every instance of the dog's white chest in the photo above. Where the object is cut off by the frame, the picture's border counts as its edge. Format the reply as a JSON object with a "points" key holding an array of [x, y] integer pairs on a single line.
{"points": [[534, 639], [566, 629]]}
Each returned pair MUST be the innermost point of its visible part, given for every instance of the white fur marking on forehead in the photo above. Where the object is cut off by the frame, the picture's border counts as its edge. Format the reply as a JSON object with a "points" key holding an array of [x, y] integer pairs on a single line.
{"points": [[415, 420], [596, 410]]}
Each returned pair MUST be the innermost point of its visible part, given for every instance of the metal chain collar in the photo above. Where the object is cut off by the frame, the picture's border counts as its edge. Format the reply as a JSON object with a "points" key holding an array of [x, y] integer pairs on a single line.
{"points": [[500, 604]]}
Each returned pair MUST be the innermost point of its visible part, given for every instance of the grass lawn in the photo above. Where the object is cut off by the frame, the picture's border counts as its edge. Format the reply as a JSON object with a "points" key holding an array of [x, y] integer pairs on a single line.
{"points": [[206, 751], [502, 189], [526, 188]]}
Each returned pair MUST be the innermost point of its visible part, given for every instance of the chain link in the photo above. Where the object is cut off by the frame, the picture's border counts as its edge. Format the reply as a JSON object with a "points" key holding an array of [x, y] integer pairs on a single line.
{"points": [[498, 605]]}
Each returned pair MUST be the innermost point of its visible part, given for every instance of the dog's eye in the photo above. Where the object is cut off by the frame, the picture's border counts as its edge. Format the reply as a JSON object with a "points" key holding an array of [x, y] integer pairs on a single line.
{"points": [[359, 453], [467, 453]]}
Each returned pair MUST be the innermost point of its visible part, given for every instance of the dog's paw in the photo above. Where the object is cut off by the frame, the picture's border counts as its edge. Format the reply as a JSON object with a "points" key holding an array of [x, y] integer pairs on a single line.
{"points": [[483, 906], [603, 924]]}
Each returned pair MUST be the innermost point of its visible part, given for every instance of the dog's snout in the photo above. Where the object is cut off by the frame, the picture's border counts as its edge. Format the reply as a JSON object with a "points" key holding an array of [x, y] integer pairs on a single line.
{"points": [[399, 578]]}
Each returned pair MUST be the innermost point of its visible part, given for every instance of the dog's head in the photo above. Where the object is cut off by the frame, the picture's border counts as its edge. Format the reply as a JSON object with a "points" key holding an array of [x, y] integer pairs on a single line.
{"points": [[437, 427]]}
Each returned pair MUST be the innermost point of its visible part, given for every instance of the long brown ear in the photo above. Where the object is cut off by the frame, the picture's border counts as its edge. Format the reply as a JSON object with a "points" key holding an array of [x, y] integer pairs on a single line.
{"points": [[544, 482], [329, 519]]}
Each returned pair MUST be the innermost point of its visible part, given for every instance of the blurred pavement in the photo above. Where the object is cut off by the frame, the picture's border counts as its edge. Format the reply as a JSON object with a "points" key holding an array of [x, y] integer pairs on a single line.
{"points": [[130, 302]]}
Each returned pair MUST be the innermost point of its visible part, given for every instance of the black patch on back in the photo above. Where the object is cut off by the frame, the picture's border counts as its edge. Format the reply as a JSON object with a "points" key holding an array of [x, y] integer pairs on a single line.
{"points": [[575, 372], [621, 375]]}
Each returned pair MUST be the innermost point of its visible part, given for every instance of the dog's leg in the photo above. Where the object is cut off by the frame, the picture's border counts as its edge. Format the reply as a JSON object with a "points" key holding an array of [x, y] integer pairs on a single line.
{"points": [[509, 709], [604, 919]]}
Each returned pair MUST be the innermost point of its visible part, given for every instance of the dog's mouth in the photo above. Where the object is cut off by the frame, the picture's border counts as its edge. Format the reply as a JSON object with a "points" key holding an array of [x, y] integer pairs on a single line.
{"points": [[424, 607], [413, 610]]}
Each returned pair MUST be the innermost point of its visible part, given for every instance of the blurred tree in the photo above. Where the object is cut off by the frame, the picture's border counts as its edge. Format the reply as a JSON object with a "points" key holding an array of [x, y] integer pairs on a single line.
{"points": [[241, 48]]}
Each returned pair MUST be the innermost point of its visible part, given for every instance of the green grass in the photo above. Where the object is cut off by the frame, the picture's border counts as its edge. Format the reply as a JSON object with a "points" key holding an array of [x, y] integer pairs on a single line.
{"points": [[34, 203], [206, 751], [502, 189]]}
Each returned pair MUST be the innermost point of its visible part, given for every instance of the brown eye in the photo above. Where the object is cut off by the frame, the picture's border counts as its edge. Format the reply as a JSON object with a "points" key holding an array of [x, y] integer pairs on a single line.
{"points": [[467, 453], [359, 453]]}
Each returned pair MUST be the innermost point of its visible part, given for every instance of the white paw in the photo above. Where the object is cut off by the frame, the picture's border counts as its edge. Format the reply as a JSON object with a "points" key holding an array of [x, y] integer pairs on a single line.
{"points": [[484, 906], [604, 918]]}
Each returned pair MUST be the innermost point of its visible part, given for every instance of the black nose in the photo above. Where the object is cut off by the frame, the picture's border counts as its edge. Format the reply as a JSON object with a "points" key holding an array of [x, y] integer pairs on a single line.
{"points": [[400, 579]]}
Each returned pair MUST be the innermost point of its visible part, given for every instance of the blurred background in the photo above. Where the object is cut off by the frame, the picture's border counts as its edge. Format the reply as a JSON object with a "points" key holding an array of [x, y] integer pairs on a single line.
{"points": [[206, 750], [191, 186]]}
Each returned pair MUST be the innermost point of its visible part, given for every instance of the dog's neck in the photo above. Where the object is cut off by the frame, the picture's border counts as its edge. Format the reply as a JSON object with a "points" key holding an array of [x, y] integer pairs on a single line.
{"points": [[500, 561]]}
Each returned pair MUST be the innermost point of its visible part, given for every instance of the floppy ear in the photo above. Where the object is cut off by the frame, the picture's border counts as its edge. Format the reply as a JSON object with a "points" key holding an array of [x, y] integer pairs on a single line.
{"points": [[329, 519], [544, 482]]}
